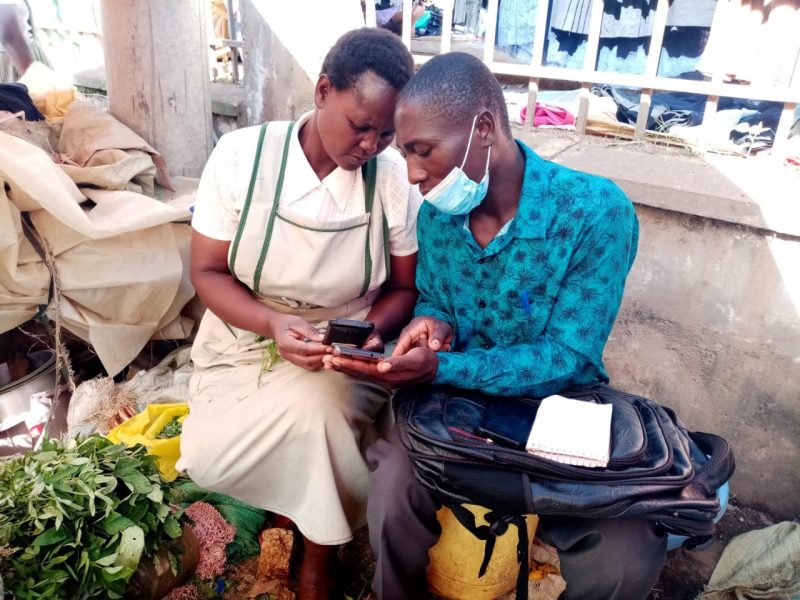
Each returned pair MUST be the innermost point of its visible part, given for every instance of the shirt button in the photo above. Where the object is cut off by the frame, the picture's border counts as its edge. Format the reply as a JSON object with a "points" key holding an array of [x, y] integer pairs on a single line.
{"points": [[485, 345], [481, 304]]}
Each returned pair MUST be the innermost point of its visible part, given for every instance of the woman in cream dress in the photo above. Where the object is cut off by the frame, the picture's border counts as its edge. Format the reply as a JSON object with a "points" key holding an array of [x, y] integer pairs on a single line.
{"points": [[296, 224]]}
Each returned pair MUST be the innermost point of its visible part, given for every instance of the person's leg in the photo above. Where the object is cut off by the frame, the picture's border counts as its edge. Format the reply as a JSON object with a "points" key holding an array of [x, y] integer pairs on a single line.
{"points": [[608, 559], [317, 579], [402, 523]]}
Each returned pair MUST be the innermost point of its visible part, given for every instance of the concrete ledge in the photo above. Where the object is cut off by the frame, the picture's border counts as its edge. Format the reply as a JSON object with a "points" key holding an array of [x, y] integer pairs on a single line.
{"points": [[753, 192], [227, 99]]}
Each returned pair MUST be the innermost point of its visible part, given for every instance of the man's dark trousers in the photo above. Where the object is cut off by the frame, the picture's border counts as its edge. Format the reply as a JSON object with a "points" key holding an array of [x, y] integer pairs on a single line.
{"points": [[601, 559]]}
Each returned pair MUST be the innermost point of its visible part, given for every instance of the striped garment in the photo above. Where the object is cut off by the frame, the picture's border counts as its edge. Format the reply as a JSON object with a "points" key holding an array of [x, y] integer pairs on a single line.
{"points": [[8, 74]]}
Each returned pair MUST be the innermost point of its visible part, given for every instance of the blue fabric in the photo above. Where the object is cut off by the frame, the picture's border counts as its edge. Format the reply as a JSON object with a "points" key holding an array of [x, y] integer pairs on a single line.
{"points": [[516, 22], [723, 493], [14, 98], [533, 310], [680, 51], [680, 108]]}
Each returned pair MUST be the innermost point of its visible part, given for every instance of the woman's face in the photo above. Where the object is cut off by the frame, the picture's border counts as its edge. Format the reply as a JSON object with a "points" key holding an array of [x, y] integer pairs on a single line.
{"points": [[432, 146], [355, 124]]}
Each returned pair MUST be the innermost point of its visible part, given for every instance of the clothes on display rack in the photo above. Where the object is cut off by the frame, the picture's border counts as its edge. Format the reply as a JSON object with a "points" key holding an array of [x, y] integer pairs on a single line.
{"points": [[624, 38]]}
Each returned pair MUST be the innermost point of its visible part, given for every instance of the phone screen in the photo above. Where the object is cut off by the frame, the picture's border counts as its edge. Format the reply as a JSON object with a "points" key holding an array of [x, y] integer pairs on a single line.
{"points": [[508, 421], [348, 332]]}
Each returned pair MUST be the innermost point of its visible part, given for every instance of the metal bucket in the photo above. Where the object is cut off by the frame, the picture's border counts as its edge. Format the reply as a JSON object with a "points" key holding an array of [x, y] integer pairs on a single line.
{"points": [[15, 397]]}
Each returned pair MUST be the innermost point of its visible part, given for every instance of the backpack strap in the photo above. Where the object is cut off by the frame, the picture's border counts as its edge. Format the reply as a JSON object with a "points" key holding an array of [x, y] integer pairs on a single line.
{"points": [[720, 465], [497, 525]]}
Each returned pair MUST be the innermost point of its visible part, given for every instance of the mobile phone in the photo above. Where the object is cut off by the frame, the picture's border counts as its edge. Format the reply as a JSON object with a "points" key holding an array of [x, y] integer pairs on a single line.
{"points": [[347, 332], [358, 353], [508, 421]]}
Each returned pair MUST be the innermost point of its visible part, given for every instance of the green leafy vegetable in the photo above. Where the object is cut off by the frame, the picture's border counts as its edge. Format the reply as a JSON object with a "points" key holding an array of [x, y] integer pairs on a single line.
{"points": [[76, 519], [269, 353], [171, 429]]}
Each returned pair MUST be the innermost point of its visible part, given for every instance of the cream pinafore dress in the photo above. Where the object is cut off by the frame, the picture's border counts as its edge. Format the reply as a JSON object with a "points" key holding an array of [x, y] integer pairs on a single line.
{"points": [[289, 440]]}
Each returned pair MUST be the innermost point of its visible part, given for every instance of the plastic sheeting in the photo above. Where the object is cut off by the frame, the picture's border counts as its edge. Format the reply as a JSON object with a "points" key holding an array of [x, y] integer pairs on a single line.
{"points": [[122, 260]]}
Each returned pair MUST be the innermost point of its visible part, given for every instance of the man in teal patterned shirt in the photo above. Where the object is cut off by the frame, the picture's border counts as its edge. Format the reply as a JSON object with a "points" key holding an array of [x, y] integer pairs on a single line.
{"points": [[521, 270]]}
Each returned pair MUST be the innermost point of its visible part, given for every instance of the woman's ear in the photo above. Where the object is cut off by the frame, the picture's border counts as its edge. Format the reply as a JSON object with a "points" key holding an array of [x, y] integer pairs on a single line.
{"points": [[322, 90], [487, 128]]}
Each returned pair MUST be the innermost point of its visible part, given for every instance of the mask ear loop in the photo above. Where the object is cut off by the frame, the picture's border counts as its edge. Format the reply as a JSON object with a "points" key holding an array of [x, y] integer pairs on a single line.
{"points": [[469, 143]]}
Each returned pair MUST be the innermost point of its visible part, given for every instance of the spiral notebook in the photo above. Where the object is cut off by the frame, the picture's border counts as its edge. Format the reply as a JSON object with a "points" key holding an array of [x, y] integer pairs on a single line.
{"points": [[572, 432]]}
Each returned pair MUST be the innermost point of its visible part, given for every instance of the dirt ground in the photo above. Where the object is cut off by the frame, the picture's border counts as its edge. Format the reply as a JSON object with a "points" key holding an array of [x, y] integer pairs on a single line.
{"points": [[687, 571], [683, 577]]}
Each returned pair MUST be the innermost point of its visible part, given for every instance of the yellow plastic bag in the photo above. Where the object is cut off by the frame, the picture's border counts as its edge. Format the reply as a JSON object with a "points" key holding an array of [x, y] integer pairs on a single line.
{"points": [[456, 558], [144, 429]]}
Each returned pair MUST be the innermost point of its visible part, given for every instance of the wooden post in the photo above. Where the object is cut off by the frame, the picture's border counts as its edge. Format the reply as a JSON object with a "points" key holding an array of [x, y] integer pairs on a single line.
{"points": [[158, 76]]}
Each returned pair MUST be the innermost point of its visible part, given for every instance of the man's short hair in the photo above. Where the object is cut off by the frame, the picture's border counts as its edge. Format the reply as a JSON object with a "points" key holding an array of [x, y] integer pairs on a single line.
{"points": [[368, 49], [457, 86]]}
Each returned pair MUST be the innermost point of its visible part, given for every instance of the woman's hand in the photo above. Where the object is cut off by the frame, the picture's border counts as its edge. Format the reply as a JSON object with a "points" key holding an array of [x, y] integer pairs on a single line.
{"points": [[374, 342], [298, 341]]}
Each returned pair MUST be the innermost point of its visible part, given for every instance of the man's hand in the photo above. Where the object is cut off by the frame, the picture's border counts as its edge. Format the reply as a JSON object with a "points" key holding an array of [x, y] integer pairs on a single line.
{"points": [[424, 331], [298, 341], [418, 365], [413, 361]]}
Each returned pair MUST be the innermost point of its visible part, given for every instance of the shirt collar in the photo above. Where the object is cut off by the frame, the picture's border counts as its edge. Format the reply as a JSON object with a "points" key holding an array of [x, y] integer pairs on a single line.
{"points": [[301, 179], [533, 212], [534, 202]]}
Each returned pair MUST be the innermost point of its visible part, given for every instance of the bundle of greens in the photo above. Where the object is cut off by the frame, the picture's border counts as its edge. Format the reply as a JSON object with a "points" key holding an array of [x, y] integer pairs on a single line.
{"points": [[76, 519], [171, 429]]}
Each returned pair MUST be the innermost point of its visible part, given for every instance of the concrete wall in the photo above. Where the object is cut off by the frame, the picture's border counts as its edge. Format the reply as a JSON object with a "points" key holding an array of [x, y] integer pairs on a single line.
{"points": [[283, 52], [710, 321], [157, 77], [707, 327]]}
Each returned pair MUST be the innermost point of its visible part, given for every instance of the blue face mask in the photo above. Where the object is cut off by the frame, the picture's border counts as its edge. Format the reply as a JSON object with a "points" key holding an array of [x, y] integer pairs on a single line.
{"points": [[457, 194]]}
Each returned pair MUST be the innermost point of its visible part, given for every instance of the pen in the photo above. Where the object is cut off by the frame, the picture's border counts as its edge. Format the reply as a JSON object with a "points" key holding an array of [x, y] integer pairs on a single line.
{"points": [[470, 435], [526, 303]]}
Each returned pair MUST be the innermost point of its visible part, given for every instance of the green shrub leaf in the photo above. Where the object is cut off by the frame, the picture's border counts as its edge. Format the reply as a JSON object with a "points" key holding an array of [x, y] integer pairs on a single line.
{"points": [[50, 537], [131, 546]]}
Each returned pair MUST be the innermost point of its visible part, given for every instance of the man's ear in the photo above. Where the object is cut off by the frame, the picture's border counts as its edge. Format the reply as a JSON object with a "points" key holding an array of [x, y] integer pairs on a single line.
{"points": [[487, 128], [322, 90]]}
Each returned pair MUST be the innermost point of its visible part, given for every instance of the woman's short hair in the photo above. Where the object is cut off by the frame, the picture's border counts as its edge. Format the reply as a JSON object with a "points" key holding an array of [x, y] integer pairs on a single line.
{"points": [[457, 86], [368, 49]]}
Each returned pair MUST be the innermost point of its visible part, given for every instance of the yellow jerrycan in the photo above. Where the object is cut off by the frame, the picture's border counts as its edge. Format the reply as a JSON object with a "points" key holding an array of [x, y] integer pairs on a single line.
{"points": [[456, 559]]}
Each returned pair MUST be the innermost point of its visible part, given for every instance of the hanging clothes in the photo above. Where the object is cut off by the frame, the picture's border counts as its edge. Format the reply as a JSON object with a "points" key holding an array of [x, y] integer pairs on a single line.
{"points": [[625, 33], [516, 22], [629, 18], [757, 41]]}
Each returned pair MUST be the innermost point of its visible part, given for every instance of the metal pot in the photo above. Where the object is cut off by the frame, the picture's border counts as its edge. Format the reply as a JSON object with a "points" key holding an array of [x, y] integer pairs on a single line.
{"points": [[15, 397]]}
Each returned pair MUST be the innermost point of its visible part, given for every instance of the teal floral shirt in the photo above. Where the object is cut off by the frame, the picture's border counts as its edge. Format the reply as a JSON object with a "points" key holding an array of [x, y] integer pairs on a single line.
{"points": [[533, 310]]}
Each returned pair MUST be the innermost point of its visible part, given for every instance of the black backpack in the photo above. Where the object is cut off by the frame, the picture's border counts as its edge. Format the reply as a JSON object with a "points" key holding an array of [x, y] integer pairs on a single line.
{"points": [[658, 470]]}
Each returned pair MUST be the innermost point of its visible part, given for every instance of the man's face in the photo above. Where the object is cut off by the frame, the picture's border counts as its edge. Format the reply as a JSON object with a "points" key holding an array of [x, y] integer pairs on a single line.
{"points": [[355, 124], [432, 146]]}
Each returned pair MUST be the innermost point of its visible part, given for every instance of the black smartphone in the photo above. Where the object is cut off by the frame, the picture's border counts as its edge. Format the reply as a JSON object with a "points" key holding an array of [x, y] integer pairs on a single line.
{"points": [[359, 353], [508, 421], [347, 332]]}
